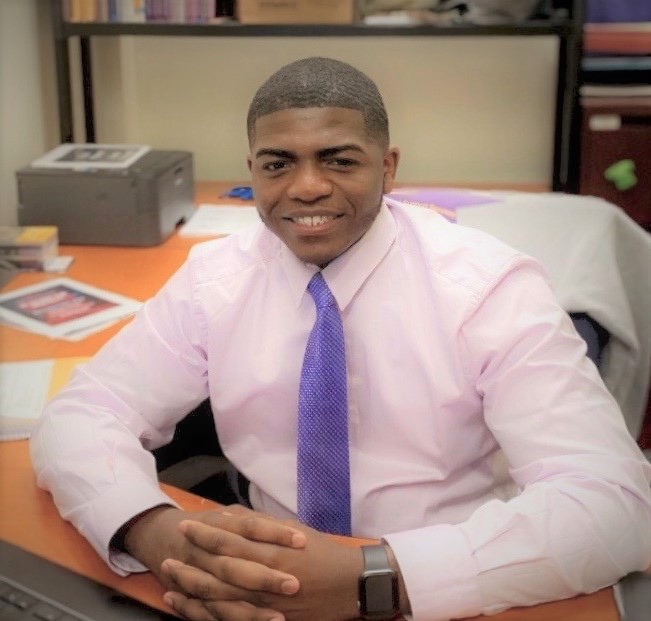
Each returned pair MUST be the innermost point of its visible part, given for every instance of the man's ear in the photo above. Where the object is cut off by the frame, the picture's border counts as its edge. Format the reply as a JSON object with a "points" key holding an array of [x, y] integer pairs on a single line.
{"points": [[249, 162], [390, 164]]}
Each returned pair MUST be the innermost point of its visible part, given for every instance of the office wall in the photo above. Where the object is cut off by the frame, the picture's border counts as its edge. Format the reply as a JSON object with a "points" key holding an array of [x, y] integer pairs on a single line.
{"points": [[26, 114], [471, 108], [462, 109]]}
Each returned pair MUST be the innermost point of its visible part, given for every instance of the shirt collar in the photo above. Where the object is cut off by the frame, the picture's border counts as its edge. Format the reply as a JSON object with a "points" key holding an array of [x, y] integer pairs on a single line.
{"points": [[347, 273]]}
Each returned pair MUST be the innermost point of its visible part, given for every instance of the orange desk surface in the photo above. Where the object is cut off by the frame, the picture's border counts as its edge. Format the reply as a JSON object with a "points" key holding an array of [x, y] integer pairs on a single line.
{"points": [[28, 517]]}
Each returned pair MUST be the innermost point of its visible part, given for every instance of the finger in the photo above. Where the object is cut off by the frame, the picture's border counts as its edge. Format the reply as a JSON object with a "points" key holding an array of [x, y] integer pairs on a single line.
{"points": [[241, 510], [242, 611], [188, 608], [236, 560], [199, 584], [238, 509], [226, 577], [252, 526], [197, 610]]}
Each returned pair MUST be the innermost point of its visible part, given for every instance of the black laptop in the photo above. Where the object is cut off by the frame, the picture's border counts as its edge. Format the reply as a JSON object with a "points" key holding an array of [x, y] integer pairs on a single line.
{"points": [[34, 589]]}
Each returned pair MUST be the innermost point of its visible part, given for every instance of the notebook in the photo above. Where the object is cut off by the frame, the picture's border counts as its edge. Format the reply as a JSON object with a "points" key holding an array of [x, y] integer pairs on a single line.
{"points": [[34, 589]]}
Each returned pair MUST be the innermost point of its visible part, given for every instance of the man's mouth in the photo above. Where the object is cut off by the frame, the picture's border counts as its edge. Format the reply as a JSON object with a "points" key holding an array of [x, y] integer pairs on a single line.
{"points": [[313, 220]]}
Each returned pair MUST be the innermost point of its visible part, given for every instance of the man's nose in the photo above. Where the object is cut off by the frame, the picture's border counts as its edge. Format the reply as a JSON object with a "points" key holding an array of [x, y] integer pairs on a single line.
{"points": [[309, 184]]}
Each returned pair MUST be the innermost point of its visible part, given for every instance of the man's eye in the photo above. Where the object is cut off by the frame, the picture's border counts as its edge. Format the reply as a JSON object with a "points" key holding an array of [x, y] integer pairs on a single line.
{"points": [[274, 166], [342, 162]]}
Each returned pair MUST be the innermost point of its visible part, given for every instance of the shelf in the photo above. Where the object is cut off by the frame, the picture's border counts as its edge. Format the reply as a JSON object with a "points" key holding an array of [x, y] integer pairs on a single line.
{"points": [[235, 29], [565, 23]]}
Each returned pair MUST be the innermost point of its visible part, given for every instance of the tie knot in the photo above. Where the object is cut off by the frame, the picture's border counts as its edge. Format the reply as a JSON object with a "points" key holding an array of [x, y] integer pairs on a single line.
{"points": [[319, 290]]}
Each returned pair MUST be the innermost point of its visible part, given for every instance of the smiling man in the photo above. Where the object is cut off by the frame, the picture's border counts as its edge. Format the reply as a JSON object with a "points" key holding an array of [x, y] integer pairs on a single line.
{"points": [[320, 161], [373, 370]]}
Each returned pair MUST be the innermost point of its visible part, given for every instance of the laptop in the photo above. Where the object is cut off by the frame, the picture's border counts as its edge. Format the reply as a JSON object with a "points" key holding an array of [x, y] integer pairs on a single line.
{"points": [[34, 589]]}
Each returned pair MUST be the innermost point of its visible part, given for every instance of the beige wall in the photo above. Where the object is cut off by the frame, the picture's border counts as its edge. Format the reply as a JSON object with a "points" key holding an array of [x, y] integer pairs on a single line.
{"points": [[26, 109], [462, 109], [478, 109]]}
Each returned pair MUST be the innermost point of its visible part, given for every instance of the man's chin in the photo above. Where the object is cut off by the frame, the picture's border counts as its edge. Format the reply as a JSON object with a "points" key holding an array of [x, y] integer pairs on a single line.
{"points": [[320, 260], [313, 255]]}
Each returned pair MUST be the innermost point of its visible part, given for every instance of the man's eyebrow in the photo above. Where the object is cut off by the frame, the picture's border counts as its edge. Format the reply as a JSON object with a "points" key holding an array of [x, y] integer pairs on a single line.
{"points": [[275, 153], [322, 153], [330, 151]]}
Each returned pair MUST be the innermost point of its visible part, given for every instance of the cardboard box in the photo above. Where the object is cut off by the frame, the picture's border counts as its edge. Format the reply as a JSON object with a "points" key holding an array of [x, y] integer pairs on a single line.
{"points": [[296, 11]]}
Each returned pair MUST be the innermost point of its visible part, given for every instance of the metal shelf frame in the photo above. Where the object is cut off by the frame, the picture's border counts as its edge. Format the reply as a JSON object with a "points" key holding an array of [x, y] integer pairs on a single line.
{"points": [[567, 26]]}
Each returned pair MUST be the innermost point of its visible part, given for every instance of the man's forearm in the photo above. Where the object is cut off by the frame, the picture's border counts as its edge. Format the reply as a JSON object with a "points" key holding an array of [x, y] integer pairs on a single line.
{"points": [[153, 536]]}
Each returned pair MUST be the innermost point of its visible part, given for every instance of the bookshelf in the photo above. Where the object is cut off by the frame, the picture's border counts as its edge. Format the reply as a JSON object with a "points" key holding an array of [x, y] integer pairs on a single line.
{"points": [[616, 116], [565, 23]]}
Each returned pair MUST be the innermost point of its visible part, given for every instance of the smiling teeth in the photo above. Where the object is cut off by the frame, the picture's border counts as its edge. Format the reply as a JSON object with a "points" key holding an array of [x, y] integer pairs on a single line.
{"points": [[312, 220]]}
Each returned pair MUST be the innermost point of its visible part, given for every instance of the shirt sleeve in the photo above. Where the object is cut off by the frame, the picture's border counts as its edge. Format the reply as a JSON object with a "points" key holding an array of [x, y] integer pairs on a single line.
{"points": [[90, 448], [582, 517]]}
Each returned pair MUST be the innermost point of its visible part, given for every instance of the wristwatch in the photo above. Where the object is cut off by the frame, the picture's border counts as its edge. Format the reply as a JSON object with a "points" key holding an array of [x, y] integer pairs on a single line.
{"points": [[378, 586]]}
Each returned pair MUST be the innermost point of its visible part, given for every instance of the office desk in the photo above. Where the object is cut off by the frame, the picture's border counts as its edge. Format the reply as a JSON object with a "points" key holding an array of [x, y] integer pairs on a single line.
{"points": [[134, 272], [30, 520], [28, 517]]}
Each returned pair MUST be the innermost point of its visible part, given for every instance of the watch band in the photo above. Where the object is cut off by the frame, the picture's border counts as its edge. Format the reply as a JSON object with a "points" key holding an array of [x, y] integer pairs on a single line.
{"points": [[379, 597], [375, 557]]}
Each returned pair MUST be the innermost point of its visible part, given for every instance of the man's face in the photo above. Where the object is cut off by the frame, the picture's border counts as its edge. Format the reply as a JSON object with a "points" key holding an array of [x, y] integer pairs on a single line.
{"points": [[318, 178]]}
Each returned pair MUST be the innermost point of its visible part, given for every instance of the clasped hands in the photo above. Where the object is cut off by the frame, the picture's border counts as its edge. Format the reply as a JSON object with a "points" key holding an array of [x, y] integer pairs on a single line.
{"points": [[235, 564]]}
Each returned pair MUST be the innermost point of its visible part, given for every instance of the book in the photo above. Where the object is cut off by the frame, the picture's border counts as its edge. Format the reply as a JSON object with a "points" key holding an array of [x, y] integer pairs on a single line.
{"points": [[25, 389], [130, 10], [29, 247]]}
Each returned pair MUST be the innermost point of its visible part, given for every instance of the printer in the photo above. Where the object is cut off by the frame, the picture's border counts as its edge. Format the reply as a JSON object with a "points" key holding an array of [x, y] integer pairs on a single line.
{"points": [[118, 195]]}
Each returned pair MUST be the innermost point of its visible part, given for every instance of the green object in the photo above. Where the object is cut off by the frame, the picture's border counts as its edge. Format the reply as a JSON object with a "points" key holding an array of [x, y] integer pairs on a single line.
{"points": [[622, 174]]}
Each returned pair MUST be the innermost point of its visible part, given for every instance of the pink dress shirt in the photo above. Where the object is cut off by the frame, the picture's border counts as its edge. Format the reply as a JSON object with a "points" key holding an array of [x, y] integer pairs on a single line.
{"points": [[484, 447]]}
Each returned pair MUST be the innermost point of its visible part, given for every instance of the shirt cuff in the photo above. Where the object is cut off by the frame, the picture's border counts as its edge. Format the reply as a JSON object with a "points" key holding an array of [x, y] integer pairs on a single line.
{"points": [[109, 513], [439, 571]]}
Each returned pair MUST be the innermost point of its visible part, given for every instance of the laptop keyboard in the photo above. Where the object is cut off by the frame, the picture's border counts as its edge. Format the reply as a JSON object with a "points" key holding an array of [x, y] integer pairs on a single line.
{"points": [[16, 604], [35, 589]]}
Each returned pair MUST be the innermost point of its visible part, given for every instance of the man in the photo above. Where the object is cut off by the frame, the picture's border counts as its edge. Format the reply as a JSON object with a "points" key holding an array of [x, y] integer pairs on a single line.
{"points": [[482, 451]]}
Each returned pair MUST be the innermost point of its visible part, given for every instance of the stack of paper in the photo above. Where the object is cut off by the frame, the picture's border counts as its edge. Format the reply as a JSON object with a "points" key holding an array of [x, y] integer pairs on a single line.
{"points": [[217, 220], [25, 387], [64, 308], [28, 246]]}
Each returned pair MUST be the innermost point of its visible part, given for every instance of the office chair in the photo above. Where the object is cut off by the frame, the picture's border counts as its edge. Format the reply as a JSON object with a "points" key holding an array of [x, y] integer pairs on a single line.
{"points": [[194, 460]]}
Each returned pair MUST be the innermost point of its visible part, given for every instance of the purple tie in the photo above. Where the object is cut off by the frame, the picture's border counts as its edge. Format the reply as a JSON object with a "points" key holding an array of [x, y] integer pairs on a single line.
{"points": [[323, 471]]}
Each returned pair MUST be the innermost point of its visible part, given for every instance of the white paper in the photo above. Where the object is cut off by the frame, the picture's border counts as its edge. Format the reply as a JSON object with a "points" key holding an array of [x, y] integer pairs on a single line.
{"points": [[216, 220], [23, 391], [24, 387], [57, 264], [89, 156]]}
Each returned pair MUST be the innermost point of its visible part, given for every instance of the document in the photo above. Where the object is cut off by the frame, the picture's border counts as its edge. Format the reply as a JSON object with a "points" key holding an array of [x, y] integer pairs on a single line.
{"points": [[25, 387], [64, 308], [218, 220], [445, 201], [88, 156]]}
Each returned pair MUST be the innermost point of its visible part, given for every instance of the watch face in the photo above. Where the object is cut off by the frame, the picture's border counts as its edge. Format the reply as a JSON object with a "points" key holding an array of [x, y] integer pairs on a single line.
{"points": [[379, 595]]}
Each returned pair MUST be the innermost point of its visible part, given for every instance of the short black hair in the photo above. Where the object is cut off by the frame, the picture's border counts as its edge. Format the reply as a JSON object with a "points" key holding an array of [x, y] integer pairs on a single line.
{"points": [[319, 82]]}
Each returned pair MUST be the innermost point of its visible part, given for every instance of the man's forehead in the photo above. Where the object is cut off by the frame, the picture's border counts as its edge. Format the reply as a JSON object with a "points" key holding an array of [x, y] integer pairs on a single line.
{"points": [[290, 123], [310, 112]]}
